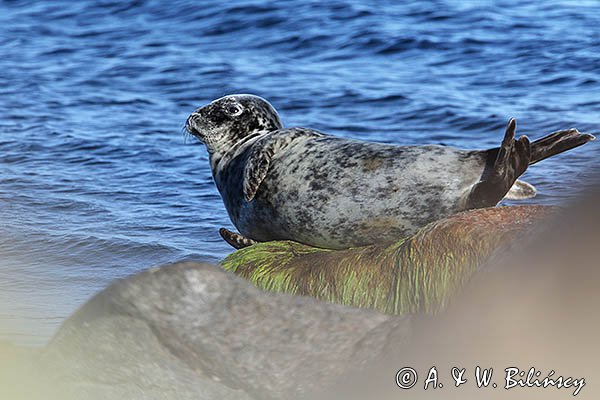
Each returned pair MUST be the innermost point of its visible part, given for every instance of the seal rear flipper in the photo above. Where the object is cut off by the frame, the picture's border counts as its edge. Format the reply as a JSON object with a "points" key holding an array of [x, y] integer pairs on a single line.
{"points": [[521, 190], [235, 240], [512, 159], [558, 142]]}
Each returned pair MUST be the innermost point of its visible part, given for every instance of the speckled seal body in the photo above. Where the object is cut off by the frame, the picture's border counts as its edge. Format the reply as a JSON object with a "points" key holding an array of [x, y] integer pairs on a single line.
{"points": [[300, 184], [335, 193]]}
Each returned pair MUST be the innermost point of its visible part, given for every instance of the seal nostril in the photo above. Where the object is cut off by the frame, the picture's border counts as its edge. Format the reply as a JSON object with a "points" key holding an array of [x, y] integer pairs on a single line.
{"points": [[193, 118], [192, 124]]}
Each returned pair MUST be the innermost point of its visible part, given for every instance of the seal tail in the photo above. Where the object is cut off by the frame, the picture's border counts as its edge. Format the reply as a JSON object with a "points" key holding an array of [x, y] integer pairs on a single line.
{"points": [[557, 142]]}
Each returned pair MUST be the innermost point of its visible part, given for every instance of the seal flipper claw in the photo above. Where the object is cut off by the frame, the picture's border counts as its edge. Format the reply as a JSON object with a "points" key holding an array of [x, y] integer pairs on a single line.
{"points": [[235, 240], [511, 161]]}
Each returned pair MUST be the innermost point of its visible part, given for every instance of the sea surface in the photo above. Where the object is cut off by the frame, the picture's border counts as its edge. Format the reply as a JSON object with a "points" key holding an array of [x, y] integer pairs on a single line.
{"points": [[98, 181]]}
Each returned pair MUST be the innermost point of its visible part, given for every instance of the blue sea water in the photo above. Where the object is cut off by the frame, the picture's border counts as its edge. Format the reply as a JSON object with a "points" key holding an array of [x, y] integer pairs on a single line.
{"points": [[97, 180]]}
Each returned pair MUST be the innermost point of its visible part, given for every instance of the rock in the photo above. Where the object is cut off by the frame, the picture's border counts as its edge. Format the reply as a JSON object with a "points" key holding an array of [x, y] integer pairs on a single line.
{"points": [[191, 330], [120, 357], [419, 274]]}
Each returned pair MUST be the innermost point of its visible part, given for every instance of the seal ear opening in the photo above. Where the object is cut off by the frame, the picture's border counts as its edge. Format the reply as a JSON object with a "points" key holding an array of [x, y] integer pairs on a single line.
{"points": [[521, 190]]}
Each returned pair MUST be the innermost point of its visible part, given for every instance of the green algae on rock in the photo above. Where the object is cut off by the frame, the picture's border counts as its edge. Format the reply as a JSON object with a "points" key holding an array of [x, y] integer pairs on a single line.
{"points": [[418, 274]]}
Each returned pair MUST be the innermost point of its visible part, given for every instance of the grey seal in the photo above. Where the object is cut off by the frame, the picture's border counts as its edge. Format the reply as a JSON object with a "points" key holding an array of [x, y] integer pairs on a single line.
{"points": [[304, 185]]}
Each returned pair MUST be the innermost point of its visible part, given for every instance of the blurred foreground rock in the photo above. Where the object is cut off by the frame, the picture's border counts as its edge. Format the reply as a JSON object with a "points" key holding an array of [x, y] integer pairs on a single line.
{"points": [[193, 331], [535, 307]]}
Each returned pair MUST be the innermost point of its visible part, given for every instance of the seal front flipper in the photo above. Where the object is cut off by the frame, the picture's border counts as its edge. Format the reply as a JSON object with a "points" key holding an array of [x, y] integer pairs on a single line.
{"points": [[235, 240], [263, 150], [256, 168], [512, 159]]}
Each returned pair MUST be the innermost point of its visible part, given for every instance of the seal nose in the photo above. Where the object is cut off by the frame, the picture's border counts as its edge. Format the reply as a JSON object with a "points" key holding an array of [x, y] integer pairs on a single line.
{"points": [[193, 118]]}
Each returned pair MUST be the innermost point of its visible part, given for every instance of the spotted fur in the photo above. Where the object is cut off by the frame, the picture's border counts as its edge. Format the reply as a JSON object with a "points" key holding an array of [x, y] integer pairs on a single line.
{"points": [[300, 184]]}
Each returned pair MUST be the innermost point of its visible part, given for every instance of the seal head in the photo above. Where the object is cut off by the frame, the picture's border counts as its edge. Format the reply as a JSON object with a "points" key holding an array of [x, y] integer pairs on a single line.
{"points": [[226, 121]]}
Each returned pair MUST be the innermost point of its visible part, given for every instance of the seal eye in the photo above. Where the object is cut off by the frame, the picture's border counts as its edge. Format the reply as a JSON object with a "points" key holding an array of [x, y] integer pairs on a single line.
{"points": [[233, 110]]}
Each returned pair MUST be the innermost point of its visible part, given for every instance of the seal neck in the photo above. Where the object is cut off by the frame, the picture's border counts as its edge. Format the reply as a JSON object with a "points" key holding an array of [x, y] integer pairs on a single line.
{"points": [[223, 154]]}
